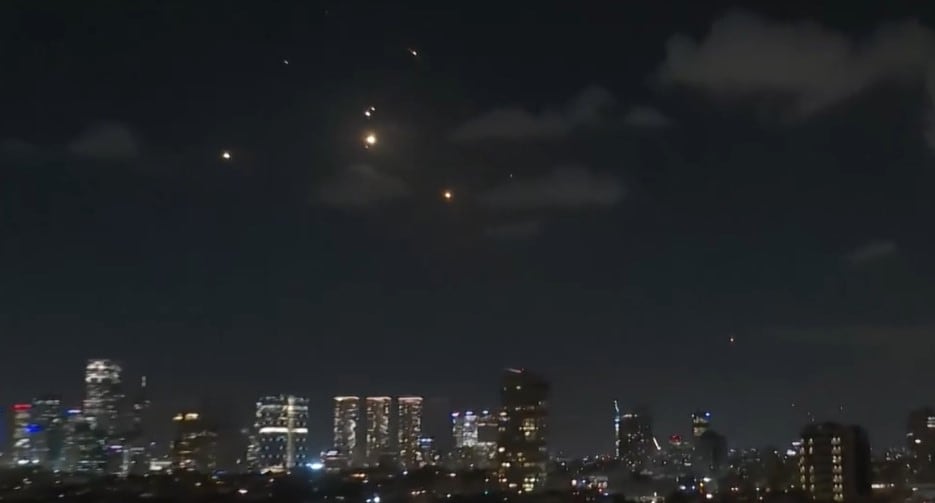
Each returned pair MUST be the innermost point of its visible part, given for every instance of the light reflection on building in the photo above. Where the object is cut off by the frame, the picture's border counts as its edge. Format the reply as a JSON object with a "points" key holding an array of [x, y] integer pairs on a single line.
{"points": [[378, 428]]}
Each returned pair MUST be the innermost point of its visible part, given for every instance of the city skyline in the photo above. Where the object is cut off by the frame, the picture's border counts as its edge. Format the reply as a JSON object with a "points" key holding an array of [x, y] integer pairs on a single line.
{"points": [[718, 206]]}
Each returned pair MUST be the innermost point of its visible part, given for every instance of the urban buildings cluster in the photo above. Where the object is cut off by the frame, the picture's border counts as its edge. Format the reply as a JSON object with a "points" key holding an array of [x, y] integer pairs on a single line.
{"points": [[508, 443]]}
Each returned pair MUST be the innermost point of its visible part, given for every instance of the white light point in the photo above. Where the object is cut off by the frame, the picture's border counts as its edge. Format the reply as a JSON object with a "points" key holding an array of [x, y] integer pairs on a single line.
{"points": [[226, 155], [370, 140]]}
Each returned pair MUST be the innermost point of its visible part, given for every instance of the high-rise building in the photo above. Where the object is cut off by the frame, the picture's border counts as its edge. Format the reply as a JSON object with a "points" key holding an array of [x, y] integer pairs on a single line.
{"points": [[710, 454], [281, 433], [137, 445], [346, 418], [22, 452], [378, 428], [701, 421], [103, 396], [409, 430], [464, 428], [633, 437], [48, 420], [834, 462], [85, 449], [522, 451], [194, 446], [920, 442], [475, 439]]}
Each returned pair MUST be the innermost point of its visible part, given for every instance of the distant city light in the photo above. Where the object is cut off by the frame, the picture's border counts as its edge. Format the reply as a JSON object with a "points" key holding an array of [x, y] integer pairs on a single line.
{"points": [[315, 466]]}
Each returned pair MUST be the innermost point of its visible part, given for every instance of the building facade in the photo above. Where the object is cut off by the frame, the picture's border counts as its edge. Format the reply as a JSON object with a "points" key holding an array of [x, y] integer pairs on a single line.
{"points": [[834, 462], [378, 446], [194, 445], [409, 430], [281, 433], [346, 419], [633, 437], [48, 420], [920, 442], [522, 450], [103, 396], [22, 451]]}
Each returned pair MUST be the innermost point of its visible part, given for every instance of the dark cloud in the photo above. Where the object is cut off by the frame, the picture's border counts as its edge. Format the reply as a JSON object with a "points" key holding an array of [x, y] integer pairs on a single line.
{"points": [[871, 251], [523, 229], [517, 124], [359, 186], [105, 141], [564, 187], [17, 149], [646, 117], [903, 339], [815, 67]]}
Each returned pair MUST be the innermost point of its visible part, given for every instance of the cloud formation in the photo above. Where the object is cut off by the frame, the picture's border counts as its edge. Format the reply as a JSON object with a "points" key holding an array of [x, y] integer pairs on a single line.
{"points": [[359, 186], [105, 141], [815, 67], [518, 124], [871, 251], [646, 117], [563, 187]]}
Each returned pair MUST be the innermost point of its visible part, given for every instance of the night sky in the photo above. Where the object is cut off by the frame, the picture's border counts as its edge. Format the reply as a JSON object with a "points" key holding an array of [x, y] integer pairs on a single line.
{"points": [[634, 184]]}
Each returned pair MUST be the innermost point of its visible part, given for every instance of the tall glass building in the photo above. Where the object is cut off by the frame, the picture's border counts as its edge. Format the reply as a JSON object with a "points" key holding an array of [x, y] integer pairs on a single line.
{"points": [[522, 447], [103, 396], [281, 430], [378, 428], [409, 431], [346, 418]]}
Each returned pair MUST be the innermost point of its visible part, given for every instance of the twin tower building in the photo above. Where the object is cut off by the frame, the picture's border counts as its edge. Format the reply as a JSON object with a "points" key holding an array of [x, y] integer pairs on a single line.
{"points": [[386, 433]]}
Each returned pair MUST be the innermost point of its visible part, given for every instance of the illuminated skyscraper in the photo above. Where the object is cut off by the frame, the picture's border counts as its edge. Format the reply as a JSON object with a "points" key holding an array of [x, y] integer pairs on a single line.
{"points": [[475, 439], [701, 421], [281, 433], [634, 437], [194, 447], [84, 446], [346, 418], [522, 451], [920, 441], [22, 451], [378, 428], [834, 463], [48, 420], [102, 396], [464, 428], [409, 431], [136, 451]]}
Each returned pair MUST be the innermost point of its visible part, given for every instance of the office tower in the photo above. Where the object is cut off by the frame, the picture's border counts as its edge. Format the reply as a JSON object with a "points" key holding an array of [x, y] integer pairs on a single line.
{"points": [[428, 455], [282, 433], [701, 421], [103, 396], [194, 446], [85, 449], [475, 439], [634, 437], [710, 454], [409, 430], [21, 451], [136, 445], [49, 440], [834, 462], [488, 434], [522, 451], [346, 417], [920, 442], [378, 428], [464, 429]]}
